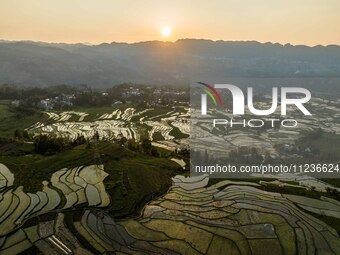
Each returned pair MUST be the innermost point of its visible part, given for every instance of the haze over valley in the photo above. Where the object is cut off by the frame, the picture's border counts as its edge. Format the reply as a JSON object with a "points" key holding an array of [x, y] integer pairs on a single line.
{"points": [[181, 63]]}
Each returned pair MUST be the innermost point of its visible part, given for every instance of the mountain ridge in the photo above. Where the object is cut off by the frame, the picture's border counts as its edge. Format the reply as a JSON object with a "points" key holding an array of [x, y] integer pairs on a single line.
{"points": [[157, 62], [171, 42]]}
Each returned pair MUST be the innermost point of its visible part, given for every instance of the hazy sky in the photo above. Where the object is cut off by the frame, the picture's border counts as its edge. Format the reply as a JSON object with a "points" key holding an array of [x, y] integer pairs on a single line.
{"points": [[308, 22]]}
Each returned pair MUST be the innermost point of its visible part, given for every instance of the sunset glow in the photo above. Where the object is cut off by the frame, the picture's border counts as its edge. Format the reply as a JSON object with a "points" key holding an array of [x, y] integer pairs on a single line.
{"points": [[166, 32], [283, 21]]}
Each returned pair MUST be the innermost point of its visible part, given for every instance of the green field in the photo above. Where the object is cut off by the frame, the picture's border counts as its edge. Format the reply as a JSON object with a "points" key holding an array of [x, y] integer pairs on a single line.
{"points": [[4, 113], [11, 119], [133, 179]]}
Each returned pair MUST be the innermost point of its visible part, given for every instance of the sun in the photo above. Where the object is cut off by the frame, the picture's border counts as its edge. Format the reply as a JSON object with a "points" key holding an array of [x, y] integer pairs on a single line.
{"points": [[166, 32]]}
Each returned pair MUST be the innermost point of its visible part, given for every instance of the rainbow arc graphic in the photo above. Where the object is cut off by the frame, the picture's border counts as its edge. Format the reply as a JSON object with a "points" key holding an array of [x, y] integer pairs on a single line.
{"points": [[213, 94]]}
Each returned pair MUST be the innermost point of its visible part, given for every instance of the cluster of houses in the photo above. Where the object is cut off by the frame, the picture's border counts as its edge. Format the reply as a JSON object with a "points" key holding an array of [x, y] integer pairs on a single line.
{"points": [[62, 101], [132, 92], [160, 97], [291, 148]]}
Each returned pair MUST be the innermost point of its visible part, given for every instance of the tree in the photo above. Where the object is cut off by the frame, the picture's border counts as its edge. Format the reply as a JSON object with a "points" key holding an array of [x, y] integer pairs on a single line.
{"points": [[96, 136], [154, 152], [18, 134], [44, 144], [79, 140], [146, 146], [132, 145], [41, 144], [123, 141], [25, 135], [268, 158]]}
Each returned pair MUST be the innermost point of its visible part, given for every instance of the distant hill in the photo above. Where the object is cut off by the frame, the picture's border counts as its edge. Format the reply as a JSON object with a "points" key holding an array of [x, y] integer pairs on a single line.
{"points": [[154, 62]]}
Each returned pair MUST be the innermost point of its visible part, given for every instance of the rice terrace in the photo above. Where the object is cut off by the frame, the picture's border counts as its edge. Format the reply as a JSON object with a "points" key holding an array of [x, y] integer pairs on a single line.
{"points": [[169, 127]]}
